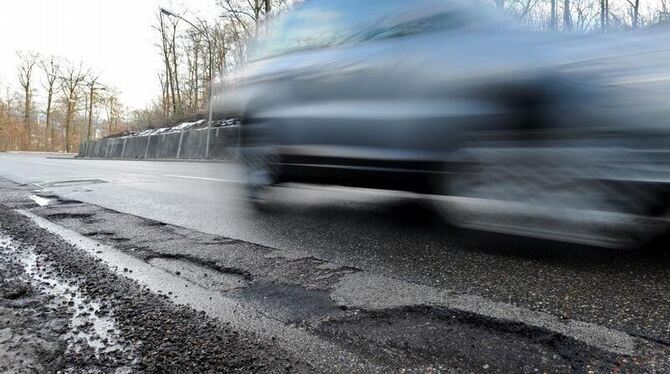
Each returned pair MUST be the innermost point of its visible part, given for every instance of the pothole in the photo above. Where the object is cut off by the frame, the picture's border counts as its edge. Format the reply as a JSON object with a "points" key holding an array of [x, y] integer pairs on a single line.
{"points": [[200, 275], [59, 216]]}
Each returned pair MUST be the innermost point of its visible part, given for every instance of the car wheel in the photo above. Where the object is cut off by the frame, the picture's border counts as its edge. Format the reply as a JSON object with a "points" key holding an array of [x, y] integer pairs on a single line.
{"points": [[259, 160]]}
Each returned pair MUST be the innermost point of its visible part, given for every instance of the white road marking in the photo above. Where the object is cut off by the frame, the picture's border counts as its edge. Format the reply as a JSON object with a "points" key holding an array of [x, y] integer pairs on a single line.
{"points": [[203, 178]]}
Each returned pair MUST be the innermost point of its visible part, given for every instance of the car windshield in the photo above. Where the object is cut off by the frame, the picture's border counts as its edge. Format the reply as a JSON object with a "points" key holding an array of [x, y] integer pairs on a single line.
{"points": [[319, 24]]}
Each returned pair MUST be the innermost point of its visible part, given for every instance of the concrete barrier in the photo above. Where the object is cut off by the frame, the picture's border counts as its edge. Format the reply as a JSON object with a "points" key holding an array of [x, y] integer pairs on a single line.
{"points": [[189, 144], [136, 147], [223, 142], [163, 146], [193, 144]]}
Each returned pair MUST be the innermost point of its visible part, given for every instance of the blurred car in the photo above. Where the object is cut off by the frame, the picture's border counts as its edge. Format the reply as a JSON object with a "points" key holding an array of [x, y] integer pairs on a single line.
{"points": [[443, 97]]}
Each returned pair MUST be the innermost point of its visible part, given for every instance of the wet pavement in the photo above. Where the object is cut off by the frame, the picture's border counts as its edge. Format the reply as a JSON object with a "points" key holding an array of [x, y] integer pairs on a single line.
{"points": [[360, 280]]}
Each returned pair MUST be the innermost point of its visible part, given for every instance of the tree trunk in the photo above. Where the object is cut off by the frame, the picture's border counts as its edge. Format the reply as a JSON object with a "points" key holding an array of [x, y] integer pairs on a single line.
{"points": [[175, 69], [636, 14], [26, 66], [48, 128], [68, 119], [90, 114], [553, 15], [166, 95], [26, 118], [567, 17], [257, 16], [168, 69], [195, 77]]}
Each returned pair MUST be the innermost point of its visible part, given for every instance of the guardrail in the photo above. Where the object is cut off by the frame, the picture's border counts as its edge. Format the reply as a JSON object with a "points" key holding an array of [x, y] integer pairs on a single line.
{"points": [[187, 144]]}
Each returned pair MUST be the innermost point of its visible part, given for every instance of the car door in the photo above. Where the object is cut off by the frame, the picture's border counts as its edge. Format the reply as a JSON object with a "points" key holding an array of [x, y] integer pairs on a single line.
{"points": [[328, 88]]}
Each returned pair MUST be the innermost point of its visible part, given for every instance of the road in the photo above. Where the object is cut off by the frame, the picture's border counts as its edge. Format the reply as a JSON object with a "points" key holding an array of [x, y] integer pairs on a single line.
{"points": [[402, 237]]}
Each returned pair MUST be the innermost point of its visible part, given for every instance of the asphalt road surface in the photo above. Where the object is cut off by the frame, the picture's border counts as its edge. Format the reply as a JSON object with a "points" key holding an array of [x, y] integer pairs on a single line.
{"points": [[383, 235]]}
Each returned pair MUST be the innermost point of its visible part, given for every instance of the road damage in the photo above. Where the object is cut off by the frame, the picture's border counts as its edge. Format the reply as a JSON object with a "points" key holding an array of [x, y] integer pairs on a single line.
{"points": [[296, 309]]}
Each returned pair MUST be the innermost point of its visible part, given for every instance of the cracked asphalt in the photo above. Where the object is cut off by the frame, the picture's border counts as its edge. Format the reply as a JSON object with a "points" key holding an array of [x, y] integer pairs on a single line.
{"points": [[377, 281]]}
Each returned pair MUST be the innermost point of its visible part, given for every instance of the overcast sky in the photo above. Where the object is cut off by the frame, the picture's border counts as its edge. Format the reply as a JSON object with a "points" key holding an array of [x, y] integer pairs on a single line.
{"points": [[113, 36]]}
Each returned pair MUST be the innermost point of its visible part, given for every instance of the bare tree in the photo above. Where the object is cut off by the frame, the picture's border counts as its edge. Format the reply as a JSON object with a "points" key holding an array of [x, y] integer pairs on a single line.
{"points": [[93, 87], [165, 94], [173, 59], [604, 15], [51, 70], [553, 21], [26, 65], [71, 79], [663, 11], [586, 13], [636, 12], [113, 111], [567, 16], [243, 14], [250, 13], [192, 53], [169, 73]]}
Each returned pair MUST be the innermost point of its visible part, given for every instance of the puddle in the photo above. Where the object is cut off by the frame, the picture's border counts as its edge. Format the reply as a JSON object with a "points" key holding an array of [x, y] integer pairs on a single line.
{"points": [[90, 323], [41, 201]]}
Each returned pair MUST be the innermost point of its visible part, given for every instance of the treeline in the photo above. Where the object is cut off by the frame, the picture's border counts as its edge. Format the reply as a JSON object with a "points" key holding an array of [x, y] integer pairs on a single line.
{"points": [[71, 99], [57, 104], [586, 15], [197, 50]]}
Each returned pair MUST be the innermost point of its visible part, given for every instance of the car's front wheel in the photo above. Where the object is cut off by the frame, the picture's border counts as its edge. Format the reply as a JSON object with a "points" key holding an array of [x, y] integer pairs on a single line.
{"points": [[259, 159]]}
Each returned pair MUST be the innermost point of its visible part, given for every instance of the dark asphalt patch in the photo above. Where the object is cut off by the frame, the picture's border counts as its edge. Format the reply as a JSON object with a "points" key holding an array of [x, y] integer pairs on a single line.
{"points": [[59, 216], [291, 303], [430, 337]]}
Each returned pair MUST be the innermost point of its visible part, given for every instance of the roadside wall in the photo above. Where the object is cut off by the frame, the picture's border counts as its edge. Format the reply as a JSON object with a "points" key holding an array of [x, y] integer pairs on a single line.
{"points": [[189, 144]]}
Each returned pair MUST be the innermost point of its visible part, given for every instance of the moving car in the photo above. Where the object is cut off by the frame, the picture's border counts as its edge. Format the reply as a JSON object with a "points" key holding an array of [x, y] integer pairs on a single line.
{"points": [[444, 97]]}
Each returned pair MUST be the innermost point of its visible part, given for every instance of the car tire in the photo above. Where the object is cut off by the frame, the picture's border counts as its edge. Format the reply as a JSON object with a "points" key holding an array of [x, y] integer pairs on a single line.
{"points": [[258, 157]]}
